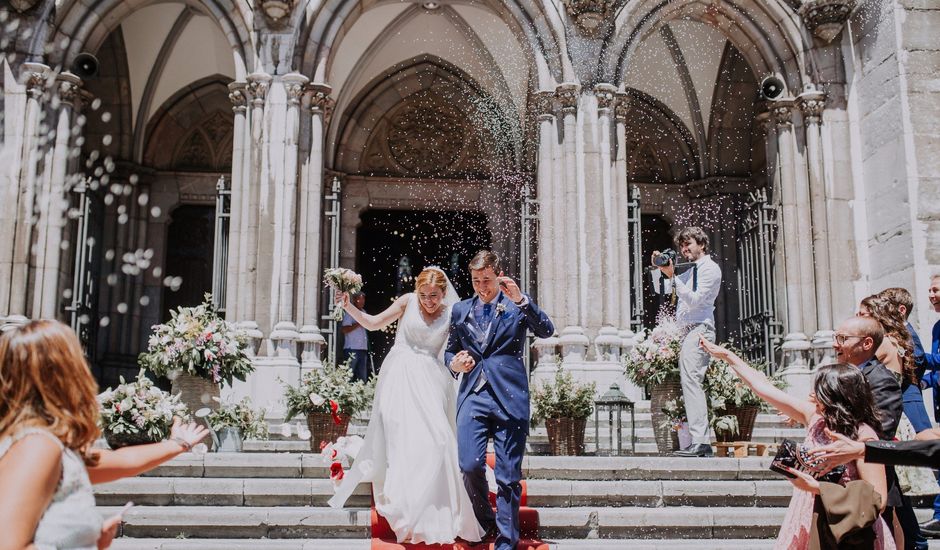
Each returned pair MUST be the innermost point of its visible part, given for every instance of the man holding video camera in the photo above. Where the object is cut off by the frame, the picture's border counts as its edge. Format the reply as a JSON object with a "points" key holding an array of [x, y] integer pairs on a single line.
{"points": [[695, 289]]}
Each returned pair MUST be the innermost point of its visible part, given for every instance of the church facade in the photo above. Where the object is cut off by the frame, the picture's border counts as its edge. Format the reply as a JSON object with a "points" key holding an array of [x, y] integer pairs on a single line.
{"points": [[154, 151]]}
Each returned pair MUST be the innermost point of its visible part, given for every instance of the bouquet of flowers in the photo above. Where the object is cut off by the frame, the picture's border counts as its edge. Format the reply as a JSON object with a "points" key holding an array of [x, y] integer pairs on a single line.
{"points": [[330, 390], [138, 412], [196, 340], [655, 358], [249, 422], [341, 279]]}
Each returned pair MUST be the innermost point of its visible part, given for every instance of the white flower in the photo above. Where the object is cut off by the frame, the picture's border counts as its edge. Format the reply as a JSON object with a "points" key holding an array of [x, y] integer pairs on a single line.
{"points": [[317, 400]]}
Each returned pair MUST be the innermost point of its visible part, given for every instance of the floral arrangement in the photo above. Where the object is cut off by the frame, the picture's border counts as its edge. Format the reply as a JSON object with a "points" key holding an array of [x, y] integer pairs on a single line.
{"points": [[331, 390], [249, 422], [562, 399], [724, 390], [138, 411], [674, 411], [197, 341], [655, 357], [341, 279]]}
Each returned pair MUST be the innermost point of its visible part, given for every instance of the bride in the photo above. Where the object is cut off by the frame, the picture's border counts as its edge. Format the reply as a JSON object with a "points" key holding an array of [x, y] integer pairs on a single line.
{"points": [[410, 449]]}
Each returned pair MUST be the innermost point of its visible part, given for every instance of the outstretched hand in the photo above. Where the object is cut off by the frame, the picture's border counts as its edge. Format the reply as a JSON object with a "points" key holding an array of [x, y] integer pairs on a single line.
{"points": [[716, 351], [190, 432], [841, 450], [341, 298], [509, 287]]}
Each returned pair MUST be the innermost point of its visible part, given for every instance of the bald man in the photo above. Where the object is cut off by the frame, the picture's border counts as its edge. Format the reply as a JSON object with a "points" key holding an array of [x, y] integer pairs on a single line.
{"points": [[856, 340]]}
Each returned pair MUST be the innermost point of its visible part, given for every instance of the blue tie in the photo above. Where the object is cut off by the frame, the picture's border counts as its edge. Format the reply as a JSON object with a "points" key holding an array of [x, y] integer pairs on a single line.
{"points": [[485, 317]]}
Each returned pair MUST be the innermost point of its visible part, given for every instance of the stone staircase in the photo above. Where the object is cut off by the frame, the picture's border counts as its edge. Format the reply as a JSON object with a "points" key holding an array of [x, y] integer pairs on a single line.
{"points": [[274, 497]]}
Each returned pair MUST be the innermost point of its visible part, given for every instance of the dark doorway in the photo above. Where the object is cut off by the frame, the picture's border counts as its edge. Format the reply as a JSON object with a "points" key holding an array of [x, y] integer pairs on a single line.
{"points": [[655, 235], [395, 245], [189, 243]]}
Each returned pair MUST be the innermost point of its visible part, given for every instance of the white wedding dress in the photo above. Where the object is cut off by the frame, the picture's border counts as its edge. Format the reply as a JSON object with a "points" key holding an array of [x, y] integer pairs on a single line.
{"points": [[410, 449]]}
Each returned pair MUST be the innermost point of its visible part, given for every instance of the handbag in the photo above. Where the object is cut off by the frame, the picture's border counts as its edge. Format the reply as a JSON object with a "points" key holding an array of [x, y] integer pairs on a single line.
{"points": [[795, 456]]}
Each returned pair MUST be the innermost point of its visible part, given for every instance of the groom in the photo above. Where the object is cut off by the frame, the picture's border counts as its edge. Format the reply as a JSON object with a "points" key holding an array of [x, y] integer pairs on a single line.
{"points": [[487, 338]]}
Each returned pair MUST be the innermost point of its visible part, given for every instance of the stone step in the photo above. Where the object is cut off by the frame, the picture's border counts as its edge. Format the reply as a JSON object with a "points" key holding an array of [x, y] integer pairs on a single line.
{"points": [[542, 493], [364, 544], [577, 522], [596, 468]]}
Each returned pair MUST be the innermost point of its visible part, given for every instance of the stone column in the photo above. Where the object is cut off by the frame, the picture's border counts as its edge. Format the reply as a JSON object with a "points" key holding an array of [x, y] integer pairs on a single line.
{"points": [[812, 104], [547, 264], [621, 187], [239, 201], [285, 331], [18, 206], [573, 341], [608, 195], [311, 214], [53, 203], [795, 346], [258, 85]]}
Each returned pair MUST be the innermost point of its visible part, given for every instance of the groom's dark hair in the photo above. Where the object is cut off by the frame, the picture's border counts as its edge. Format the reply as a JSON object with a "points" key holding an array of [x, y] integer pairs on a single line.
{"points": [[484, 259]]}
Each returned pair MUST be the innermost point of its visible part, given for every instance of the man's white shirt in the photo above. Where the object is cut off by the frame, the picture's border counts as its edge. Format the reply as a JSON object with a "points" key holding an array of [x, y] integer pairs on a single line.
{"points": [[695, 305]]}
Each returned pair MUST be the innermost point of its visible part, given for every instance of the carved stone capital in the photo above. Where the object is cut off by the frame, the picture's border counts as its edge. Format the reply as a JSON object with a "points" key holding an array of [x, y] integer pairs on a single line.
{"points": [[276, 11], [23, 6], [544, 105], [782, 112], [826, 18], [605, 94], [258, 85], [319, 97], [34, 77], [765, 122], [812, 105], [295, 85], [589, 15], [568, 95], [238, 96], [622, 107], [69, 86]]}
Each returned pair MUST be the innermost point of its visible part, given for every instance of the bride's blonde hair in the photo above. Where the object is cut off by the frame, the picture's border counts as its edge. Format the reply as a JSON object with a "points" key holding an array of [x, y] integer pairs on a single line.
{"points": [[432, 276]]}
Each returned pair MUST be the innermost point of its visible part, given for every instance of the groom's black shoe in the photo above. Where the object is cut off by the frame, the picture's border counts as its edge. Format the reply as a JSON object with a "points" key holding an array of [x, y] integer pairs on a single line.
{"points": [[695, 449]]}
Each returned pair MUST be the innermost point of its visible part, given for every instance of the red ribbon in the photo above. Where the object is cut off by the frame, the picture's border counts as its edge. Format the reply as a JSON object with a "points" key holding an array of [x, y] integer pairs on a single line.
{"points": [[334, 408], [336, 471]]}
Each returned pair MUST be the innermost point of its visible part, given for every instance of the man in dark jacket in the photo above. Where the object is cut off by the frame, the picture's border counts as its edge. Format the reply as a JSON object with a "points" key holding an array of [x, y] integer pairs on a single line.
{"points": [[856, 341]]}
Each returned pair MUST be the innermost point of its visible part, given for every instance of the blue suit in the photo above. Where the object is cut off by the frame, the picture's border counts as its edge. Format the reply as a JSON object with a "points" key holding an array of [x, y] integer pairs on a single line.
{"points": [[499, 409]]}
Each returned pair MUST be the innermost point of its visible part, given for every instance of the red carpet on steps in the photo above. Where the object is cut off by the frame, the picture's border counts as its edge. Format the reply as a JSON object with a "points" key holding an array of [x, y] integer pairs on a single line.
{"points": [[383, 538]]}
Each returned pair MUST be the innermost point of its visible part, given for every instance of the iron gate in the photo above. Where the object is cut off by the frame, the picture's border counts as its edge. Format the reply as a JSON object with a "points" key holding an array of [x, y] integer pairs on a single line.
{"points": [[223, 215], [634, 228], [761, 331], [334, 200], [83, 306]]}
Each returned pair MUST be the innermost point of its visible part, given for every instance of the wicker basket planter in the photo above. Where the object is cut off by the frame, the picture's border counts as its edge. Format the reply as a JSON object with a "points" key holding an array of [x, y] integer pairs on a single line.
{"points": [[324, 429], [565, 436], [667, 440], [196, 392], [746, 416], [116, 441]]}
